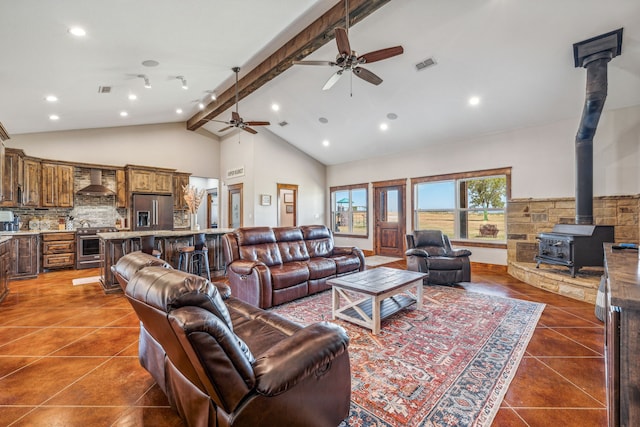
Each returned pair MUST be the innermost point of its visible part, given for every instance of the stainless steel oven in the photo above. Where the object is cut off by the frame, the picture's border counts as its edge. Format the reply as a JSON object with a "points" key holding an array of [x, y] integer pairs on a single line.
{"points": [[89, 253]]}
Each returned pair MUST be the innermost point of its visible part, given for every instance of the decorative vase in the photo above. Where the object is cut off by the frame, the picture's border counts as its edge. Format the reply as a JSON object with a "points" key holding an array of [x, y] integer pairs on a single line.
{"points": [[194, 222]]}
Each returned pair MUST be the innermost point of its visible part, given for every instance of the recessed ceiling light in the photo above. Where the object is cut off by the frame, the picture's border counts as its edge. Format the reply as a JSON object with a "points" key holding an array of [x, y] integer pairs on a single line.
{"points": [[133, 97], [200, 106], [384, 126], [51, 98], [392, 116], [323, 120], [150, 63], [275, 107], [325, 142], [54, 117], [178, 110], [123, 114], [474, 100], [213, 96], [77, 31]]}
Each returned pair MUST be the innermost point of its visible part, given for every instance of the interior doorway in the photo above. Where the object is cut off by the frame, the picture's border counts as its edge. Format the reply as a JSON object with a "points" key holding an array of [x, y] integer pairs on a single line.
{"points": [[287, 205], [389, 217], [234, 216]]}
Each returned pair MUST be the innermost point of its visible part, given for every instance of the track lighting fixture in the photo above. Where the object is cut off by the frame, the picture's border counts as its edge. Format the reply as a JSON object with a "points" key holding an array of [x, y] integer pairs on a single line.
{"points": [[184, 82], [146, 80]]}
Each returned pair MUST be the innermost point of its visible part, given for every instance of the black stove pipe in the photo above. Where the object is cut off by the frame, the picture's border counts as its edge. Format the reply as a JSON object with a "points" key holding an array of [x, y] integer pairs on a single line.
{"points": [[593, 54], [596, 66]]}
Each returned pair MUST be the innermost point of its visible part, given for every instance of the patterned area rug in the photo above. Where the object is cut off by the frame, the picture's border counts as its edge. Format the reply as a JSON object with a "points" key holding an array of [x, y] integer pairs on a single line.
{"points": [[447, 364]]}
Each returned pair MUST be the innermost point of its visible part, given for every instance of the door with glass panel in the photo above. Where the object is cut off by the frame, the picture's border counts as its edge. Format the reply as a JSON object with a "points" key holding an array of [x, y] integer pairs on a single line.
{"points": [[389, 202], [235, 206]]}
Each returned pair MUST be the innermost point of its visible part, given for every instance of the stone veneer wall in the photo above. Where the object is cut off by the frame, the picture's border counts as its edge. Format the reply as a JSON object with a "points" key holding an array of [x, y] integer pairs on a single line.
{"points": [[526, 218]]}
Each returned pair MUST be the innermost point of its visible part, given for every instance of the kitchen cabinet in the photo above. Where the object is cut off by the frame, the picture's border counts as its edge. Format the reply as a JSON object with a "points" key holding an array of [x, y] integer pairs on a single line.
{"points": [[5, 253], [25, 256], [31, 182], [180, 180], [12, 178], [149, 180], [57, 185], [58, 250], [122, 199]]}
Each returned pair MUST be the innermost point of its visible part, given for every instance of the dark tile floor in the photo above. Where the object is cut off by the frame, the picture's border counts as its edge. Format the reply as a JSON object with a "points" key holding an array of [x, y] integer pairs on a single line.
{"points": [[68, 357]]}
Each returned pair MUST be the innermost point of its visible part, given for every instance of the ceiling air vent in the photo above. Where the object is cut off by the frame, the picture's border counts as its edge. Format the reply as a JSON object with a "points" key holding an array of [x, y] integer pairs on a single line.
{"points": [[104, 89], [429, 62]]}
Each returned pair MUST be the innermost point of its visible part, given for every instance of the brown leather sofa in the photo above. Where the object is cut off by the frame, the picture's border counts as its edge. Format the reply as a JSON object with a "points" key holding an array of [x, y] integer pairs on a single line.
{"points": [[223, 362], [430, 251], [270, 266]]}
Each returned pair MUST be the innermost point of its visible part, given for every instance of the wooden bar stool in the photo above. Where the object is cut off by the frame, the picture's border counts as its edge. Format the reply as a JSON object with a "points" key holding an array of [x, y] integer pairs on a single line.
{"points": [[147, 245], [193, 259]]}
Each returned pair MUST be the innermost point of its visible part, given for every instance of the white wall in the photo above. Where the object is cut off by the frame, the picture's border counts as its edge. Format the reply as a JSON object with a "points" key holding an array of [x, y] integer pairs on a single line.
{"points": [[542, 161], [168, 145], [269, 161]]}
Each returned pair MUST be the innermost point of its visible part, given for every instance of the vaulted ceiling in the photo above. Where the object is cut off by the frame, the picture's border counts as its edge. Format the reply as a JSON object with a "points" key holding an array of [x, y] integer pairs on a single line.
{"points": [[516, 56]]}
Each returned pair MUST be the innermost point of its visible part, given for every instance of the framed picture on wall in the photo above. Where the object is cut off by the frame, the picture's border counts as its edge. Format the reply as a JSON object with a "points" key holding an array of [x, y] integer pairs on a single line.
{"points": [[265, 199], [289, 208], [288, 197]]}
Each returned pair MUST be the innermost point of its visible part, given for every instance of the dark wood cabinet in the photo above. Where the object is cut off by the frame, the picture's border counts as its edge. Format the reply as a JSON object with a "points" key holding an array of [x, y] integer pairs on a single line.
{"points": [[25, 256], [5, 259], [31, 182], [149, 180], [180, 180], [622, 341], [122, 201], [58, 250], [57, 185], [12, 178]]}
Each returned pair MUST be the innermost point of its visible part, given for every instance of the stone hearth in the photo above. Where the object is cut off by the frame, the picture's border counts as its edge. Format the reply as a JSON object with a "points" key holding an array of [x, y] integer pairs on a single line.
{"points": [[526, 218]]}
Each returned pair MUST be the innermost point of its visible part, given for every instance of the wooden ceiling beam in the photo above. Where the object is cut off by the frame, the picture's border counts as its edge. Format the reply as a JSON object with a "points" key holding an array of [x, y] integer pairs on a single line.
{"points": [[320, 32]]}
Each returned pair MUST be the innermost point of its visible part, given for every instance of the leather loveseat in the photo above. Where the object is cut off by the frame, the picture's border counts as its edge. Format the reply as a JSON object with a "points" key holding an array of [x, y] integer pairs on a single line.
{"points": [[270, 266], [430, 251], [223, 362]]}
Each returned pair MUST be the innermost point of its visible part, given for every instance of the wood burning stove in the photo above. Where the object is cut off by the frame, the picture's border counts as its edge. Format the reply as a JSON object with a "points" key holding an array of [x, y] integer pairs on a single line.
{"points": [[574, 246]]}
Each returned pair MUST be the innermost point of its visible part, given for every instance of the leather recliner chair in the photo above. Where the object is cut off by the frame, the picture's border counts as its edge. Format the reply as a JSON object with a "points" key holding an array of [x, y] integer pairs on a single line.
{"points": [[429, 251], [223, 362]]}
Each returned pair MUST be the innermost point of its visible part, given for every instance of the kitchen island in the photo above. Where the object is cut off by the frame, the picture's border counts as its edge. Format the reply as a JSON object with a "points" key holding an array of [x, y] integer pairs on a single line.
{"points": [[114, 245]]}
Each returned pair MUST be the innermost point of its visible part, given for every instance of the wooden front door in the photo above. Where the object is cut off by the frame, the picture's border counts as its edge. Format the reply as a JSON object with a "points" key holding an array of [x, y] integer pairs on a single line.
{"points": [[389, 203]]}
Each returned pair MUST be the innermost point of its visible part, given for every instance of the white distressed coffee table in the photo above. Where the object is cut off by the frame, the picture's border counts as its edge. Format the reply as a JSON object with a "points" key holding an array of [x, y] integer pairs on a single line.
{"points": [[385, 291]]}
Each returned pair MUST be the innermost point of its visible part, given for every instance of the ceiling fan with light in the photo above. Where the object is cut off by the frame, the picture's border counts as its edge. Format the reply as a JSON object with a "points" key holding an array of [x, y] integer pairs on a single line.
{"points": [[348, 60], [237, 121]]}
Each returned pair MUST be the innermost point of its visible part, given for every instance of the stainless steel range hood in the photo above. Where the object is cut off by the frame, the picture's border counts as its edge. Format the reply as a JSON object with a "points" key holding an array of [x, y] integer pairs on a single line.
{"points": [[96, 188]]}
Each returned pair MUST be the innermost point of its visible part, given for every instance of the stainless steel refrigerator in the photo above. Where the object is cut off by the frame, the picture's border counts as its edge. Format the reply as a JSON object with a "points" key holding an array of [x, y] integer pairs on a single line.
{"points": [[152, 212]]}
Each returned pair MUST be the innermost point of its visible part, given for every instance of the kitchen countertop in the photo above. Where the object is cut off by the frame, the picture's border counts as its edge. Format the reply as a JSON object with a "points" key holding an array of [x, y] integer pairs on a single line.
{"points": [[4, 238], [161, 233]]}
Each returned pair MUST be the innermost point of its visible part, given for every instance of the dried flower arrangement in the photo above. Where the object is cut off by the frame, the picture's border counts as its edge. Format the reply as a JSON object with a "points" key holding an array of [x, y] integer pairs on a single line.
{"points": [[193, 196]]}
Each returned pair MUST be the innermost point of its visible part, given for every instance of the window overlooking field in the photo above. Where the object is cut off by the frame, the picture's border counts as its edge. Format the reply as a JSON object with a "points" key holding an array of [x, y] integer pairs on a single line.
{"points": [[468, 206], [349, 214]]}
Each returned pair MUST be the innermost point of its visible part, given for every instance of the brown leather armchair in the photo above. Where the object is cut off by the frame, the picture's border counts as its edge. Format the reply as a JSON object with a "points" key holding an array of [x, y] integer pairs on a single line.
{"points": [[429, 251], [223, 362]]}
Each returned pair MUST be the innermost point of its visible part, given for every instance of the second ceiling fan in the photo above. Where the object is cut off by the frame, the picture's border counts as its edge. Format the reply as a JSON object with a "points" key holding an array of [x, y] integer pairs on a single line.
{"points": [[237, 121], [348, 60]]}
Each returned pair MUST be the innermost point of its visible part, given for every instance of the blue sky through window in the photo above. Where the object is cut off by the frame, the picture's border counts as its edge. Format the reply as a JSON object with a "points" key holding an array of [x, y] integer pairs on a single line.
{"points": [[437, 195]]}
